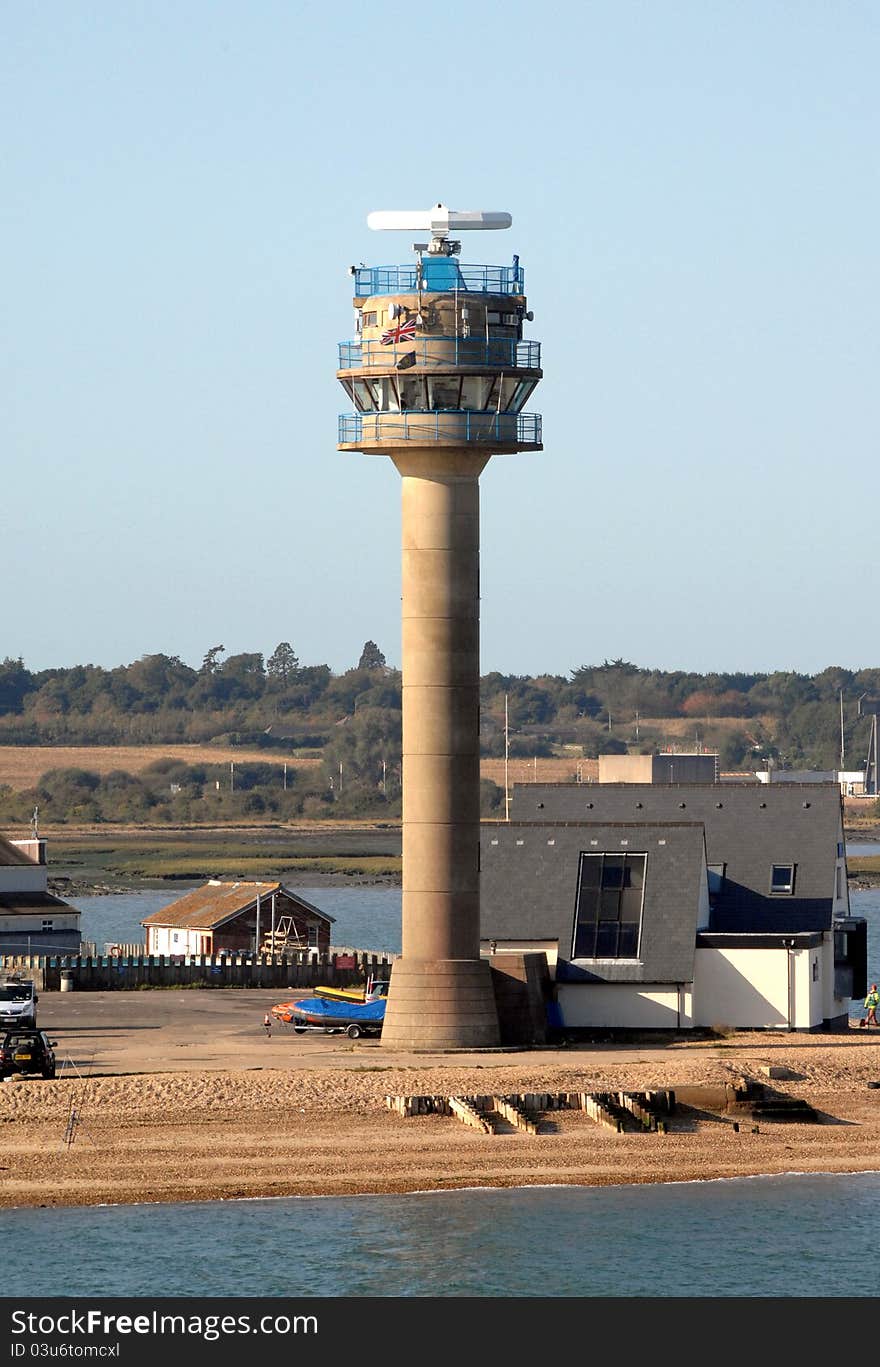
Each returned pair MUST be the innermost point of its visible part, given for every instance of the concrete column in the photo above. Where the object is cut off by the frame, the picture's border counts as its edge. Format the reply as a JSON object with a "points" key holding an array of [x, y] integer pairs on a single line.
{"points": [[441, 991]]}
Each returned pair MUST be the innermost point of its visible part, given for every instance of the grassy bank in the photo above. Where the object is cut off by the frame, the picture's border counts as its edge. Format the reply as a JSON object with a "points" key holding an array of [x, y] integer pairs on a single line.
{"points": [[131, 856]]}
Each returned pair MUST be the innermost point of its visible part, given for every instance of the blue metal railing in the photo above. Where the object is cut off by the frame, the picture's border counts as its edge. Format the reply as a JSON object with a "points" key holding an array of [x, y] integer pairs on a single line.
{"points": [[439, 275], [439, 351], [446, 424]]}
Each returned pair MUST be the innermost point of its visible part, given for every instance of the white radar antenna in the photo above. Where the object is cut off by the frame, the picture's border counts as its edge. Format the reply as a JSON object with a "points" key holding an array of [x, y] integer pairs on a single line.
{"points": [[439, 222]]}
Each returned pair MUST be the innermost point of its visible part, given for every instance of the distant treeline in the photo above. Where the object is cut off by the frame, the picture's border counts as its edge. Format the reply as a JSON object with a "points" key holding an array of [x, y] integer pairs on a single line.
{"points": [[353, 718]]}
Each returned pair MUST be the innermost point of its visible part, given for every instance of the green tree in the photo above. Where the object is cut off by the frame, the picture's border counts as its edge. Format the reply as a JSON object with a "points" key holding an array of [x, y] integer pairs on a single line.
{"points": [[211, 662], [371, 657], [15, 683], [245, 676], [361, 745], [282, 666]]}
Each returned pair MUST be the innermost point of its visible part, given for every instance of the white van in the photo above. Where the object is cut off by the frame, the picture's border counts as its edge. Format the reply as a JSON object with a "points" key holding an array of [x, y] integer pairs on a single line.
{"points": [[18, 1002]]}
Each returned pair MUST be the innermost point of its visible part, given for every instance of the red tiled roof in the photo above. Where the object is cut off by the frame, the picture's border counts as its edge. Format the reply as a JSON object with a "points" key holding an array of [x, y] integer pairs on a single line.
{"points": [[209, 906]]}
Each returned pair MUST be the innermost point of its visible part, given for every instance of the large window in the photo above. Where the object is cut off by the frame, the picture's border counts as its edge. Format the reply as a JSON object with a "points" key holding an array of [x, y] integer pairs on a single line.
{"points": [[608, 911]]}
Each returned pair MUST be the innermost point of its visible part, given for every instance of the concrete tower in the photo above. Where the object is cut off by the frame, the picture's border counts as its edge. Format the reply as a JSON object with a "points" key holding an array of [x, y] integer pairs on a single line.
{"points": [[439, 375]]}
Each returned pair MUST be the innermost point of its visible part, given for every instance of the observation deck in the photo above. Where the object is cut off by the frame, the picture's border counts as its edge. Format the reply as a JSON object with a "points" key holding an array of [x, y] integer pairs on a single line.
{"points": [[440, 359], [438, 275], [469, 352], [443, 427]]}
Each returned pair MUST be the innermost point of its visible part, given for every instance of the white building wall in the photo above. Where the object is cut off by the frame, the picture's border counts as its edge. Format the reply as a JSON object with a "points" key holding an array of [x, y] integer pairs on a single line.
{"points": [[815, 985], [741, 988], [161, 940], [23, 877], [158, 940], [32, 923], [766, 989], [626, 1006]]}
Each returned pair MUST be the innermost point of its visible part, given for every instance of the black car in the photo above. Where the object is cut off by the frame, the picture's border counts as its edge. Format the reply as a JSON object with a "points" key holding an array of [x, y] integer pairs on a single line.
{"points": [[27, 1051]]}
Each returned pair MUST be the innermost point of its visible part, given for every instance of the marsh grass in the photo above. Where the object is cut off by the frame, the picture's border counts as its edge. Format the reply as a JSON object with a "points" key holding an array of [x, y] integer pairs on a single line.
{"points": [[228, 863]]}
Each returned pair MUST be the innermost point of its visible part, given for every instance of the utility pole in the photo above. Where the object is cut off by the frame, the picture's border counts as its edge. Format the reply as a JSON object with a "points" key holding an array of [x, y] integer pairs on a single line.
{"points": [[842, 765], [506, 758], [285, 777]]}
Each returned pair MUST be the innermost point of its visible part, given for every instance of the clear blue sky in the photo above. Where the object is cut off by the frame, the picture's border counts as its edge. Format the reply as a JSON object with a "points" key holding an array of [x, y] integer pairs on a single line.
{"points": [[694, 192]]}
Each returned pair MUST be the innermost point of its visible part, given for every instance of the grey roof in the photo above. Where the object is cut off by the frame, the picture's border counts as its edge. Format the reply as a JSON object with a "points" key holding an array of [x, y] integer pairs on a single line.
{"points": [[749, 828], [29, 903], [528, 889]]}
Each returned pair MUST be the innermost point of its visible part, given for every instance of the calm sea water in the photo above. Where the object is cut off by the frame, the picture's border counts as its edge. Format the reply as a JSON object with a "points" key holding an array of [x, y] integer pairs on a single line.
{"points": [[768, 1236]]}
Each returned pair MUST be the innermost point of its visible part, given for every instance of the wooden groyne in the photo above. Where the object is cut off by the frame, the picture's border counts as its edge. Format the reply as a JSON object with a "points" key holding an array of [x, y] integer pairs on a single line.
{"points": [[619, 1111]]}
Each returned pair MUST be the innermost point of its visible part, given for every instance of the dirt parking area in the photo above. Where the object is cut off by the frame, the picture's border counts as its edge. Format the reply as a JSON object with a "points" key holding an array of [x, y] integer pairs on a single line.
{"points": [[161, 1031]]}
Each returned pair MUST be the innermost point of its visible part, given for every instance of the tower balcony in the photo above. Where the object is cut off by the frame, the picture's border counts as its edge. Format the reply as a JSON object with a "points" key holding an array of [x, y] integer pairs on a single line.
{"points": [[500, 432], [437, 275], [471, 352]]}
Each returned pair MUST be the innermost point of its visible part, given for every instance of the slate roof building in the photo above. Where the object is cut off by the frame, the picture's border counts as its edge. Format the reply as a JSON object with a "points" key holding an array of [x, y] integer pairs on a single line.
{"points": [[237, 916], [32, 919], [679, 905]]}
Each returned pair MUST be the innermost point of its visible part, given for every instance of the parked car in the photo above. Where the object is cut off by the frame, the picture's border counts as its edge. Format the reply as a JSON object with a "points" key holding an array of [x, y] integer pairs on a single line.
{"points": [[18, 1002], [27, 1051]]}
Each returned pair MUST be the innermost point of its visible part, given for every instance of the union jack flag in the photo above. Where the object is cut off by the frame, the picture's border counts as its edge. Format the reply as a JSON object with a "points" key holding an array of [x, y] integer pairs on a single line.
{"points": [[400, 332]]}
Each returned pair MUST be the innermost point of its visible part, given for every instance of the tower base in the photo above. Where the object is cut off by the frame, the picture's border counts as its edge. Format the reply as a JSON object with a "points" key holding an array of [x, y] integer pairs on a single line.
{"points": [[441, 1004]]}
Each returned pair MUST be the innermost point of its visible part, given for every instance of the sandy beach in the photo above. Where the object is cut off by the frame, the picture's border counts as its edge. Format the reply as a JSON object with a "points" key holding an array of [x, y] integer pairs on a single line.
{"points": [[181, 1097]]}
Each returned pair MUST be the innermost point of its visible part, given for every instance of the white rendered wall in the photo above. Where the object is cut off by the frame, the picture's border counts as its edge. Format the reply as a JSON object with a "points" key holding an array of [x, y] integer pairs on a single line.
{"points": [[23, 877], [739, 988], [31, 923], [765, 989], [160, 940], [625, 1006]]}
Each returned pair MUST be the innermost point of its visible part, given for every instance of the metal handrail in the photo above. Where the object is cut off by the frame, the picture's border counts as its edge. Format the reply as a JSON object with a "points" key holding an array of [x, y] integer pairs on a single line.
{"points": [[439, 276], [497, 352], [434, 425]]}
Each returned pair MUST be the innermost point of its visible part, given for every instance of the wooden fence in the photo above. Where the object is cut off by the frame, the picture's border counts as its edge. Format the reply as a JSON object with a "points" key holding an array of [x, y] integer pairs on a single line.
{"points": [[106, 972]]}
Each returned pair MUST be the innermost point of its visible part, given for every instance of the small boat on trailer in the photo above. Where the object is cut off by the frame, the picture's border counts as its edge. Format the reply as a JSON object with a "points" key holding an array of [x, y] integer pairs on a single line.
{"points": [[331, 1016], [372, 991]]}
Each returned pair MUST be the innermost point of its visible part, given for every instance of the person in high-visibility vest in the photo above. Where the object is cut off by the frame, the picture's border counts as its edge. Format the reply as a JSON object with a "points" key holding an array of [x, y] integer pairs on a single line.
{"points": [[872, 1001]]}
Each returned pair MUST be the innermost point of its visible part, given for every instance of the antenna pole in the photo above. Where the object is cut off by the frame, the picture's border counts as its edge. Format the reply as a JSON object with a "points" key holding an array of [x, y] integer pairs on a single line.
{"points": [[841, 731], [506, 755]]}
